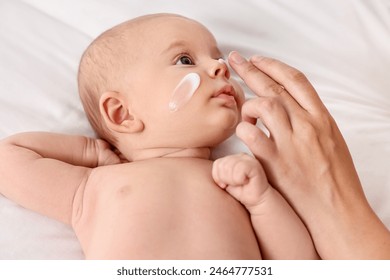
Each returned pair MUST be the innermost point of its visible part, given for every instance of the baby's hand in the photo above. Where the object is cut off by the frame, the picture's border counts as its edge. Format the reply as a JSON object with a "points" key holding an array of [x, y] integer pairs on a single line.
{"points": [[243, 177], [106, 156]]}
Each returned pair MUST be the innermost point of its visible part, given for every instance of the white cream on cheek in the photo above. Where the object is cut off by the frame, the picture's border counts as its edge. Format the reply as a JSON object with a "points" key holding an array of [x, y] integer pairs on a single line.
{"points": [[184, 91]]}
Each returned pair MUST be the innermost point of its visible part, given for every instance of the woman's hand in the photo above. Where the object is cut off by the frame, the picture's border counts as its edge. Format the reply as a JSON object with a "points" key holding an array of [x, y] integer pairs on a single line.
{"points": [[305, 154], [306, 158]]}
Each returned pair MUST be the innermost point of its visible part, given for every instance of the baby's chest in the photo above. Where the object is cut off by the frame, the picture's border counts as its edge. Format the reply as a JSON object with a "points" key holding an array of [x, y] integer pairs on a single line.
{"points": [[163, 208], [154, 193], [165, 193]]}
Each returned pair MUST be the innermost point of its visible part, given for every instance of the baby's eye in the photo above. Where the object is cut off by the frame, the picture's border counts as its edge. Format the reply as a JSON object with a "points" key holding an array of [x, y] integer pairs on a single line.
{"points": [[185, 60]]}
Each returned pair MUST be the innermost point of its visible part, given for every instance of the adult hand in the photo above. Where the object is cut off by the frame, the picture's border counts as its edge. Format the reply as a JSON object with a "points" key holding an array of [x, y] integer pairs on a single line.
{"points": [[307, 160]]}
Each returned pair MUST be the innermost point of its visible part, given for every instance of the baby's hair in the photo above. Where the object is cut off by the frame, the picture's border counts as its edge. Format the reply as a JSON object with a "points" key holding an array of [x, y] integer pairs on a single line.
{"points": [[96, 76]]}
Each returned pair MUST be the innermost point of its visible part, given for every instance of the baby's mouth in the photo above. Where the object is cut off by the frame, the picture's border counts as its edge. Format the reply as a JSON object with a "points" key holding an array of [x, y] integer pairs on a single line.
{"points": [[227, 93]]}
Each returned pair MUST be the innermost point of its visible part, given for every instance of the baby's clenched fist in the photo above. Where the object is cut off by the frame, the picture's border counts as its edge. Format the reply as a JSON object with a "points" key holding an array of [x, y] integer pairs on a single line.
{"points": [[243, 177]]}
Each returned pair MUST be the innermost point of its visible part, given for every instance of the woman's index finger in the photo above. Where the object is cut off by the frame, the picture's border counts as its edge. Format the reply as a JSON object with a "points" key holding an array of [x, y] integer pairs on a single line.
{"points": [[259, 82], [294, 81]]}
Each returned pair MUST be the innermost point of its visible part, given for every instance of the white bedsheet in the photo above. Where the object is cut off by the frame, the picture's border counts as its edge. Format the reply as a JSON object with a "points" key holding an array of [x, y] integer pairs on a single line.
{"points": [[342, 46]]}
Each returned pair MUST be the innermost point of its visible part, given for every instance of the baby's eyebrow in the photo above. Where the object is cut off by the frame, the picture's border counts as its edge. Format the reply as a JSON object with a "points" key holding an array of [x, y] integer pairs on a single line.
{"points": [[175, 45], [180, 44]]}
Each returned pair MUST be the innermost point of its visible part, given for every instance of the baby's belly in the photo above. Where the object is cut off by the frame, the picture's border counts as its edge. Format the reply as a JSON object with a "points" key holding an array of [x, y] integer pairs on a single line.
{"points": [[169, 218]]}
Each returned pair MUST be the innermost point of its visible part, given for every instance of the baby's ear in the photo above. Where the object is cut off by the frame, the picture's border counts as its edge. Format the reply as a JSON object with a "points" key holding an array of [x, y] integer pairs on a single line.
{"points": [[116, 114]]}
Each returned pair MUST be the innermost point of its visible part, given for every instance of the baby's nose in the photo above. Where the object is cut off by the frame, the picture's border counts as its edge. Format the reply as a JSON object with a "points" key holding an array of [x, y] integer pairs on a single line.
{"points": [[220, 67]]}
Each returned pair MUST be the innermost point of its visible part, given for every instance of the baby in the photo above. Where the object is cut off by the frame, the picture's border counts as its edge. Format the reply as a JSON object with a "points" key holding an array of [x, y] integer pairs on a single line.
{"points": [[156, 89]]}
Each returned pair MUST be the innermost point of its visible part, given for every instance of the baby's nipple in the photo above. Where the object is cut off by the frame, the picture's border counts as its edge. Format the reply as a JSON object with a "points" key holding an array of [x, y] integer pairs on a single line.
{"points": [[184, 91]]}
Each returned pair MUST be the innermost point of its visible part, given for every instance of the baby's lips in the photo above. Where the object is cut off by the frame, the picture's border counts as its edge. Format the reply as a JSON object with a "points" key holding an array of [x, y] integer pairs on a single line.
{"points": [[227, 90]]}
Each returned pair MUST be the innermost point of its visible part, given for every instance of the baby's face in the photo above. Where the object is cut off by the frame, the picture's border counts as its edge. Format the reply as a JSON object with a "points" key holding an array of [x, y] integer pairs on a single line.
{"points": [[172, 49]]}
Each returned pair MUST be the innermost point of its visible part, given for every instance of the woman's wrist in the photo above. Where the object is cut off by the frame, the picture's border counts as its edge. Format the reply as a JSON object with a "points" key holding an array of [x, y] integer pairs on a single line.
{"points": [[344, 226]]}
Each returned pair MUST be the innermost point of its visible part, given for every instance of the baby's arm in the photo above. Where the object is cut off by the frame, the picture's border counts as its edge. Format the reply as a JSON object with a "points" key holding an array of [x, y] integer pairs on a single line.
{"points": [[280, 232], [43, 171]]}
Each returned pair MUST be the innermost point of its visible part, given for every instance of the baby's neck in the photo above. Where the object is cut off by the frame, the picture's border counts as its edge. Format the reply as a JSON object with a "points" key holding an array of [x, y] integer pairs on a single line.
{"points": [[202, 153]]}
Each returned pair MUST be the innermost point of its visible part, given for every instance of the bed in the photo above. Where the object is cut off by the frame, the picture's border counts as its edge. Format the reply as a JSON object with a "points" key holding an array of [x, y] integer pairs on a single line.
{"points": [[342, 46]]}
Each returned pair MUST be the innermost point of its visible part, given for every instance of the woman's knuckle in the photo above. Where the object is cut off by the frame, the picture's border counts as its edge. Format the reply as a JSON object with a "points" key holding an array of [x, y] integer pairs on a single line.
{"points": [[327, 121], [297, 76], [268, 105], [308, 130], [275, 88]]}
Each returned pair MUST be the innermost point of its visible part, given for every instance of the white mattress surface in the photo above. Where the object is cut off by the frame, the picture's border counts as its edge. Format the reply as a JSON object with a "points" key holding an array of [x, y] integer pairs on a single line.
{"points": [[342, 46]]}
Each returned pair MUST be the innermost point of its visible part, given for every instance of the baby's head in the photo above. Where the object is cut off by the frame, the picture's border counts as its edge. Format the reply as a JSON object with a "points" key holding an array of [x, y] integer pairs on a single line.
{"points": [[157, 81]]}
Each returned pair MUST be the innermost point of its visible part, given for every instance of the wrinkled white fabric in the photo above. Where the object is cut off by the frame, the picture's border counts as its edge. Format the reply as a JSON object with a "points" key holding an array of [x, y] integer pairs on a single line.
{"points": [[342, 46]]}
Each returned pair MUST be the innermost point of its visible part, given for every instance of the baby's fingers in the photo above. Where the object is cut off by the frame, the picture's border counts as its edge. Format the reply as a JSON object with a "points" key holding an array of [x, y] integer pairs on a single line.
{"points": [[228, 171], [242, 177]]}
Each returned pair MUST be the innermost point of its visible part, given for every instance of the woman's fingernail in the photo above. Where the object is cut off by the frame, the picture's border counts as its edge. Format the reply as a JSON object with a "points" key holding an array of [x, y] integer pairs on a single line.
{"points": [[257, 58], [236, 57]]}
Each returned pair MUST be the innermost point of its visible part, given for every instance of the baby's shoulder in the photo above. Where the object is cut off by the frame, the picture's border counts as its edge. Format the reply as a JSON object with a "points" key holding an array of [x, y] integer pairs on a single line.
{"points": [[111, 174], [147, 170]]}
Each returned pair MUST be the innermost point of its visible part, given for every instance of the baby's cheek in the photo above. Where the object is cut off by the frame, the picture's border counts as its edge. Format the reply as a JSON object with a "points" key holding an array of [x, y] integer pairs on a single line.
{"points": [[184, 91]]}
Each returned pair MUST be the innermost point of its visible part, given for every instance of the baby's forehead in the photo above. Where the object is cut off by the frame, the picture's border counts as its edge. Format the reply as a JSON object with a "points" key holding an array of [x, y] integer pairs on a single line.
{"points": [[160, 30], [167, 24], [147, 37]]}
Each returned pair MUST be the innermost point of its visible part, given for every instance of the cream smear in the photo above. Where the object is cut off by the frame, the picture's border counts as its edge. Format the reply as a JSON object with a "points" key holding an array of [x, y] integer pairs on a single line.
{"points": [[222, 61], [184, 91]]}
